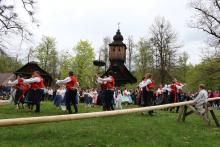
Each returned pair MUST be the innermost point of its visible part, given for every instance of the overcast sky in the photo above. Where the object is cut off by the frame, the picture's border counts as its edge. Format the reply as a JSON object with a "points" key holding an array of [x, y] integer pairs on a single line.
{"points": [[71, 20]]}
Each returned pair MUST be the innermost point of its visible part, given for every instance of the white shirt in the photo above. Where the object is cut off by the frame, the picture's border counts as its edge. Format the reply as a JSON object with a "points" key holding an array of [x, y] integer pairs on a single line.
{"points": [[145, 83], [50, 91], [32, 80], [62, 82], [179, 87], [159, 90], [103, 80], [202, 97], [61, 92], [12, 83]]}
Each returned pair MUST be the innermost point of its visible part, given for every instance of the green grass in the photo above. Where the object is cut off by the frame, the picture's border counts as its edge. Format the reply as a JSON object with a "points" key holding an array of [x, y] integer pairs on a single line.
{"points": [[132, 130]]}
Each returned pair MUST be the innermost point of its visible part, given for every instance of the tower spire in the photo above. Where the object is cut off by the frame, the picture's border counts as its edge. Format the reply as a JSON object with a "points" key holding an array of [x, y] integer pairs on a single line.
{"points": [[119, 25]]}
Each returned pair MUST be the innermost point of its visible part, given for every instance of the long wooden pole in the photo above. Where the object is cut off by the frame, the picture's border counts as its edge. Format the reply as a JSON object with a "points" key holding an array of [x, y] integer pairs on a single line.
{"points": [[57, 118]]}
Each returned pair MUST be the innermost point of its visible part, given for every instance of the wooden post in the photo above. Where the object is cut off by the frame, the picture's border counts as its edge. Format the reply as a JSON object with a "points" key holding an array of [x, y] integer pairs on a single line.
{"points": [[214, 117]]}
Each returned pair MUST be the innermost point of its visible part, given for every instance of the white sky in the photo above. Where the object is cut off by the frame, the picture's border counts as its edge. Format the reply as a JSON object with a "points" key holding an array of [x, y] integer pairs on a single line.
{"points": [[71, 20]]}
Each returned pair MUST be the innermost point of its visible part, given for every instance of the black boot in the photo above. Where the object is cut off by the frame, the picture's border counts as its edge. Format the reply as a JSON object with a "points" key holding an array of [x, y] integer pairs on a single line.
{"points": [[37, 108]]}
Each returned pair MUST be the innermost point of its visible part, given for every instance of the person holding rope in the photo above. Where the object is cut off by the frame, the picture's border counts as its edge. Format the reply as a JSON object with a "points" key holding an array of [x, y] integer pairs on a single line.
{"points": [[71, 91], [37, 90], [147, 86]]}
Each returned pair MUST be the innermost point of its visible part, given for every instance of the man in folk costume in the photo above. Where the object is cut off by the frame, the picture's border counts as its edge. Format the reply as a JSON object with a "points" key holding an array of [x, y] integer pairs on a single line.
{"points": [[147, 86], [103, 91], [71, 91], [109, 94], [20, 90], [37, 89]]}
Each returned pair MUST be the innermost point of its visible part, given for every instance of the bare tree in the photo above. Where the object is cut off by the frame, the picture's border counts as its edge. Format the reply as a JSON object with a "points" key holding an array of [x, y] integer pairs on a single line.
{"points": [[207, 19], [11, 22], [163, 42], [130, 51], [104, 51]]}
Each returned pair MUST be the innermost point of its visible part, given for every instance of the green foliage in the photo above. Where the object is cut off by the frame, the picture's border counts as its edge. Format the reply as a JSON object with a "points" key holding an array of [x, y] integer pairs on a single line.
{"points": [[47, 55], [83, 65], [207, 72], [142, 58], [8, 64]]}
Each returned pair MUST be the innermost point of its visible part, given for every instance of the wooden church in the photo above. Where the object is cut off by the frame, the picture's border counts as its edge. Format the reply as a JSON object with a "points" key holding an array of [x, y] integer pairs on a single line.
{"points": [[117, 57]]}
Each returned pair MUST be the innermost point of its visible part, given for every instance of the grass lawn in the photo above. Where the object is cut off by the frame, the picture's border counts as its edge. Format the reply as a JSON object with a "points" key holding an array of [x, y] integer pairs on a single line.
{"points": [[132, 130]]}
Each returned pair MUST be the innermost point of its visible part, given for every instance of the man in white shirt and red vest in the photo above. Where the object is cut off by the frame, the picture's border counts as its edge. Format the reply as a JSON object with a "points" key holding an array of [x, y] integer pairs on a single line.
{"points": [[20, 89], [147, 86], [102, 92], [37, 89], [109, 94], [71, 91]]}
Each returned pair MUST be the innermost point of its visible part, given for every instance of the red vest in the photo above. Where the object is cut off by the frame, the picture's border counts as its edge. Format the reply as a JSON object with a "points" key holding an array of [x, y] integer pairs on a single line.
{"points": [[110, 85], [41, 83], [104, 86], [173, 88], [20, 84], [72, 83], [38, 85], [151, 85]]}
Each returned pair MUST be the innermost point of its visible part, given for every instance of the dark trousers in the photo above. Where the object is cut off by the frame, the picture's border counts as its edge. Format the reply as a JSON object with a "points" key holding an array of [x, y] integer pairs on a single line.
{"points": [[70, 97], [102, 96], [148, 99], [37, 98], [108, 100], [18, 96]]}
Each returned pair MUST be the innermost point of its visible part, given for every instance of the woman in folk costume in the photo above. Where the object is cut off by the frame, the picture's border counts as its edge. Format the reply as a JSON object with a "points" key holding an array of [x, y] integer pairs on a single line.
{"points": [[118, 99], [95, 97], [37, 89], [175, 88], [125, 98], [147, 86], [20, 90], [159, 95], [175, 91], [59, 96], [71, 91]]}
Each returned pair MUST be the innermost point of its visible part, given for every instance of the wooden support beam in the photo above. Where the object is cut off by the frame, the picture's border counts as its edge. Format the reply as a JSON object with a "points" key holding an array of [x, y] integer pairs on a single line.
{"points": [[214, 117], [58, 118]]}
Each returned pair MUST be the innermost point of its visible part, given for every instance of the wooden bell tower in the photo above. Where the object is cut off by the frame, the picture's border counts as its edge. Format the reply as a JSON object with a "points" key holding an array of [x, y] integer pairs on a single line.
{"points": [[117, 49], [117, 58]]}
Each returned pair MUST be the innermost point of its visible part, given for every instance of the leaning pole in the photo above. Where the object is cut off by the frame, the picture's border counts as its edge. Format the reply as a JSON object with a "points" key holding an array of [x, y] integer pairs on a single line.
{"points": [[58, 118]]}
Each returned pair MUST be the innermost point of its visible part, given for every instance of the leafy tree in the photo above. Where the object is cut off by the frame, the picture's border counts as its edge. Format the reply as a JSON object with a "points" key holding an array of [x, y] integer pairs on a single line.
{"points": [[8, 64], [47, 55], [83, 65], [180, 72], [66, 64], [143, 57]]}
